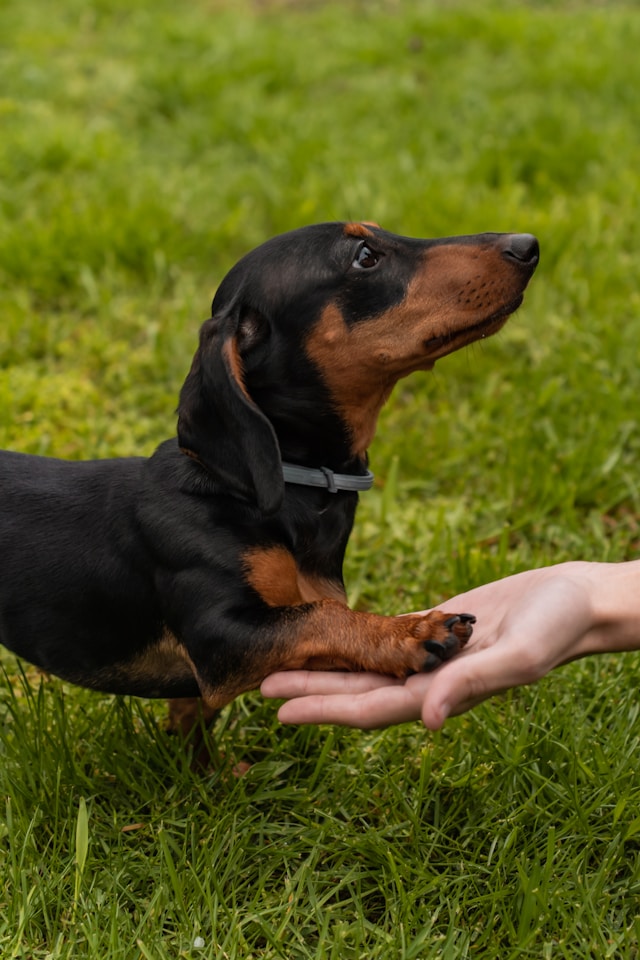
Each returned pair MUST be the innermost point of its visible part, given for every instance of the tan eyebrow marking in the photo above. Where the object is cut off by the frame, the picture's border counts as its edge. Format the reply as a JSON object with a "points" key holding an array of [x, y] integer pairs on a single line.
{"points": [[357, 230]]}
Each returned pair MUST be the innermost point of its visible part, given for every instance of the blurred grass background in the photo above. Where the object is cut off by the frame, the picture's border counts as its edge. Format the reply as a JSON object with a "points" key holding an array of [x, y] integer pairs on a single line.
{"points": [[144, 147]]}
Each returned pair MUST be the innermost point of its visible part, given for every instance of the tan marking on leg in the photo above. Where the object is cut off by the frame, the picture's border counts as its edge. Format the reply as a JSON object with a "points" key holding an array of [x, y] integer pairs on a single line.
{"points": [[331, 636], [162, 665], [275, 575], [185, 713], [193, 718], [162, 661]]}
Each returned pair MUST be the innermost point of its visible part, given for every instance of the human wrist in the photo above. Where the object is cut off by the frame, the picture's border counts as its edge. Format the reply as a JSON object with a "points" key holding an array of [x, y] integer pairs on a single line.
{"points": [[614, 598]]}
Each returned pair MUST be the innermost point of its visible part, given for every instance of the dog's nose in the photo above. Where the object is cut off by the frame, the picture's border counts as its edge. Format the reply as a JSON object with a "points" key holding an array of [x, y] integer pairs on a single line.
{"points": [[522, 247]]}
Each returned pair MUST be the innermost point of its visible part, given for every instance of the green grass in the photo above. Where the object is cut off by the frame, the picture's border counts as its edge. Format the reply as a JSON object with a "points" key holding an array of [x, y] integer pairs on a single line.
{"points": [[144, 147]]}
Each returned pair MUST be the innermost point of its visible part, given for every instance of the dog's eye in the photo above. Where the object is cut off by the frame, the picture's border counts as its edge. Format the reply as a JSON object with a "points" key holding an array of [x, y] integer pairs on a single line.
{"points": [[365, 258]]}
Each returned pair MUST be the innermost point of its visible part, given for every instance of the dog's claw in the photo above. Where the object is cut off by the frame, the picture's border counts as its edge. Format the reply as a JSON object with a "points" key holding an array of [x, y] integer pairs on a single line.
{"points": [[467, 618], [459, 618]]}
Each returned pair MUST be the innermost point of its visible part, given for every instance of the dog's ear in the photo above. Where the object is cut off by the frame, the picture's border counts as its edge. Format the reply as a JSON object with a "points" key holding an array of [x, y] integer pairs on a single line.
{"points": [[220, 426]]}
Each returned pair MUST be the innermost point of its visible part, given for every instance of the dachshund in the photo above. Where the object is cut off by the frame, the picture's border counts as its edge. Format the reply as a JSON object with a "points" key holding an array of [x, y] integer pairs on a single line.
{"points": [[194, 573]]}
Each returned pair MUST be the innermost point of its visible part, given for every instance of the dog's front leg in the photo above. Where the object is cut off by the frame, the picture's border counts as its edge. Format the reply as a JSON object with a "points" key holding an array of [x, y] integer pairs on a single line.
{"points": [[321, 635]]}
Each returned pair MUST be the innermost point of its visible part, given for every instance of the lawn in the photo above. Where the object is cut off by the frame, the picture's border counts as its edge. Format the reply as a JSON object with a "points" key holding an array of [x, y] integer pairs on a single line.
{"points": [[144, 147]]}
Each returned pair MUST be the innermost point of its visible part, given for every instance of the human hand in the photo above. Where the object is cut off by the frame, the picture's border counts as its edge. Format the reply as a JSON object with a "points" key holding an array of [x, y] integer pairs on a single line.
{"points": [[527, 625]]}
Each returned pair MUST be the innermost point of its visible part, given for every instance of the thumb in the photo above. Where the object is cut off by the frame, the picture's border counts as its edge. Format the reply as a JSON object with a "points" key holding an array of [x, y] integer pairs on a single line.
{"points": [[468, 680]]}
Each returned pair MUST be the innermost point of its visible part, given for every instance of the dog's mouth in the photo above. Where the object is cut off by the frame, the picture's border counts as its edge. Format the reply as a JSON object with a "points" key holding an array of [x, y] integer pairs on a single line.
{"points": [[453, 340]]}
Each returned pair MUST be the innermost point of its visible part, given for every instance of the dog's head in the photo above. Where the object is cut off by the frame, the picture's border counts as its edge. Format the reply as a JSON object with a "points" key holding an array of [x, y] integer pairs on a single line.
{"points": [[313, 329]]}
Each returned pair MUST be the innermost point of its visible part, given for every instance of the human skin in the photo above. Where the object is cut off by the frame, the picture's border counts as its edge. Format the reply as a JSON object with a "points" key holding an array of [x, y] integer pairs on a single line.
{"points": [[527, 625]]}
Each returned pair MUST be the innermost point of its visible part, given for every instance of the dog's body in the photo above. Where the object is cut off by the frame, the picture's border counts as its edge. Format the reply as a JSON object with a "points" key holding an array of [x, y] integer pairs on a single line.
{"points": [[199, 571]]}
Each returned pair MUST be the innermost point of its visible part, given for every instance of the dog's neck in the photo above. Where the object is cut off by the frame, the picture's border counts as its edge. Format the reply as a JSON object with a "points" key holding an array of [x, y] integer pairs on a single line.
{"points": [[310, 433]]}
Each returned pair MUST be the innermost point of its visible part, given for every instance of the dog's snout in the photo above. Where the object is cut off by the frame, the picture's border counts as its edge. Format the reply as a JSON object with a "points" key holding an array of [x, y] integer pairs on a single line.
{"points": [[522, 247]]}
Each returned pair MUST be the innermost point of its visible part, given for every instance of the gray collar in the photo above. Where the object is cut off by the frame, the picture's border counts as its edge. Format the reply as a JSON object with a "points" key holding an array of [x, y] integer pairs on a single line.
{"points": [[323, 477]]}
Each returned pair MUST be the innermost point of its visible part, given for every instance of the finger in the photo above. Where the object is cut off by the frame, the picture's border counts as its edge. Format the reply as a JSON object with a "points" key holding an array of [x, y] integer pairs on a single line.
{"points": [[373, 709], [302, 683], [463, 683], [545, 630]]}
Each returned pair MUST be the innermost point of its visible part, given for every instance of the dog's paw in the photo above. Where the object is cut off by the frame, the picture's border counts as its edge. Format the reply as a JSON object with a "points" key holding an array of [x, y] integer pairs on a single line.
{"points": [[460, 628], [442, 636]]}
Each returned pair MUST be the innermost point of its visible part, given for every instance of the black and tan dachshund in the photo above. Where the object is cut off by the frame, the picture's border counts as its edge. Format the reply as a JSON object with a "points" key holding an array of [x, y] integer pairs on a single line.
{"points": [[197, 572]]}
